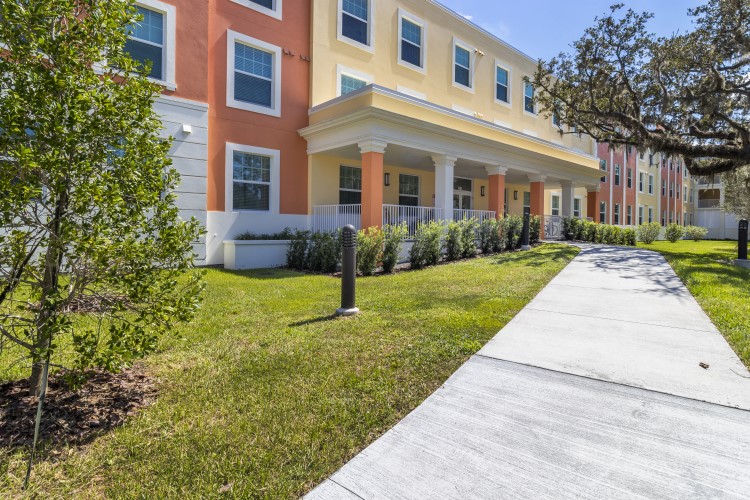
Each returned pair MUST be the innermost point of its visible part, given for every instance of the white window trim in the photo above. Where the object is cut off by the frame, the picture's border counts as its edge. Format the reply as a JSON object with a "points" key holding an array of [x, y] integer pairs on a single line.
{"points": [[650, 183], [535, 114], [506, 67], [402, 14], [273, 192], [650, 214], [465, 46], [580, 206], [232, 37], [274, 13], [641, 214], [170, 31], [552, 204], [411, 92], [370, 27], [418, 196], [359, 75]]}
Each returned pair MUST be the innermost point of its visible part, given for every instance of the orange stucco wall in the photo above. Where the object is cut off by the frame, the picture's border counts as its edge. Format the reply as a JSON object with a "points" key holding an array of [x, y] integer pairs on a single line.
{"points": [[254, 129], [191, 50]]}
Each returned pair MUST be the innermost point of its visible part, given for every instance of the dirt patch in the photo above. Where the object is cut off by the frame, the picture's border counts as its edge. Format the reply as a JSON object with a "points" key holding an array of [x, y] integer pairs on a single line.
{"points": [[104, 401]]}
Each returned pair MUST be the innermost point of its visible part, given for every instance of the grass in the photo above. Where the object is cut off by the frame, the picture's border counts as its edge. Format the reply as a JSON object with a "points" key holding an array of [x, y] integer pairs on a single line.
{"points": [[266, 393], [722, 290]]}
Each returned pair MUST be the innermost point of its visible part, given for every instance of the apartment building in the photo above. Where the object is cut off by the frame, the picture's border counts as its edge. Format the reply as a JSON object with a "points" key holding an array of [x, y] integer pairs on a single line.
{"points": [[709, 198], [315, 114]]}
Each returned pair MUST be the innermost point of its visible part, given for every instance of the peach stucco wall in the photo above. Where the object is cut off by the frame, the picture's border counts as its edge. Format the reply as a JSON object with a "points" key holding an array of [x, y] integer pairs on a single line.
{"points": [[254, 129], [191, 50]]}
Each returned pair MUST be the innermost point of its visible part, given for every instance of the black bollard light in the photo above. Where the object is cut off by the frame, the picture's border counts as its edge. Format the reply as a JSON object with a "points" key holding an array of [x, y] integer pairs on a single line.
{"points": [[348, 271], [742, 240], [525, 237]]}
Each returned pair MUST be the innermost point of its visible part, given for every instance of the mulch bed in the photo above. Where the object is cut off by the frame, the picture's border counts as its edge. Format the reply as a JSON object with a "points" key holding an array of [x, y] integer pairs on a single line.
{"points": [[75, 417]]}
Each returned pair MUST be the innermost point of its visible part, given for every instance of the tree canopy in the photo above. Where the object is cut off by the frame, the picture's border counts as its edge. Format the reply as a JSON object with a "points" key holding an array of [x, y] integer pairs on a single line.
{"points": [[92, 247], [686, 95]]}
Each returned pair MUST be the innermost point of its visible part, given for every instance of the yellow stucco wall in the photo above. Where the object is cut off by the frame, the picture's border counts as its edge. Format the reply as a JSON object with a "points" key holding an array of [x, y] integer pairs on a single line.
{"points": [[436, 81]]}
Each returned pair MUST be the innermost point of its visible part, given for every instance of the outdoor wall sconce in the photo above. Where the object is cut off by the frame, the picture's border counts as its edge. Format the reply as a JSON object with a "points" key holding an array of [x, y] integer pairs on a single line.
{"points": [[481, 191], [515, 195], [387, 179]]}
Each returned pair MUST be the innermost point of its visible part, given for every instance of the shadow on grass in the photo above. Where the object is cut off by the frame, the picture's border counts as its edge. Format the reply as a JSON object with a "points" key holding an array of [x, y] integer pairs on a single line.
{"points": [[321, 319]]}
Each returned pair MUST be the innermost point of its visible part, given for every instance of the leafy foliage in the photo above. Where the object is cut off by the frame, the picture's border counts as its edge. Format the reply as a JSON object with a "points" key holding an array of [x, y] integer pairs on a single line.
{"points": [[427, 246], [393, 242], [88, 212], [296, 255], [453, 241], [491, 236], [369, 250], [324, 252], [737, 192], [512, 227], [683, 95], [696, 233], [469, 237], [649, 232], [674, 232]]}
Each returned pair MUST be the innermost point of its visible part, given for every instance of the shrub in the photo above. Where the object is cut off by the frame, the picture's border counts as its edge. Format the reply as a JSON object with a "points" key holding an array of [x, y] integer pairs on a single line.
{"points": [[572, 228], [369, 250], [629, 237], [468, 238], [674, 232], [647, 233], [427, 245], [535, 224], [580, 230], [614, 235], [589, 232], [454, 241], [286, 234], [296, 255], [601, 231], [393, 241], [512, 227], [696, 233], [324, 252], [490, 236]]}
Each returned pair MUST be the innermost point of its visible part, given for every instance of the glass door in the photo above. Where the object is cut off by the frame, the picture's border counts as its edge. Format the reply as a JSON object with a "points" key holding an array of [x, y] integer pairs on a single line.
{"points": [[462, 193]]}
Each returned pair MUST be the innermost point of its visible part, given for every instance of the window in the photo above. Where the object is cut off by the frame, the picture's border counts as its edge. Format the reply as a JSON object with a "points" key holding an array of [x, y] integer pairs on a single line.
{"points": [[555, 204], [664, 218], [650, 184], [350, 84], [602, 212], [678, 192], [577, 207], [603, 168], [650, 215], [663, 187], [685, 193], [254, 79], [502, 84], [640, 215], [350, 185], [630, 215], [268, 7], [354, 22], [527, 199], [617, 214], [408, 190], [641, 178], [152, 40], [630, 178], [411, 41], [671, 189], [528, 98], [254, 174], [555, 119], [461, 65], [617, 174]]}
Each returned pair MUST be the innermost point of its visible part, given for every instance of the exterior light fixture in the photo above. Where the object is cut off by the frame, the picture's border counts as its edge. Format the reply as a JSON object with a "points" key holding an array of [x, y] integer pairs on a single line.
{"points": [[515, 195], [481, 191], [387, 179]]}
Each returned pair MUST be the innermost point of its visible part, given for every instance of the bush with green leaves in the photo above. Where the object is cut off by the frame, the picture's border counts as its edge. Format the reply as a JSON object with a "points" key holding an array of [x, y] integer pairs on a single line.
{"points": [[469, 238], [427, 246], [296, 254], [394, 236], [696, 233], [324, 252], [589, 231], [286, 234], [512, 227], [490, 236], [369, 249], [535, 225], [453, 241], [649, 232], [629, 237], [674, 232], [574, 229]]}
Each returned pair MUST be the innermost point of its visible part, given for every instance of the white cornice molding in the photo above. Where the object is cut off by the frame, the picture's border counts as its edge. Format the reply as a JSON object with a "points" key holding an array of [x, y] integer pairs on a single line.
{"points": [[537, 178], [444, 160], [496, 170], [372, 146]]}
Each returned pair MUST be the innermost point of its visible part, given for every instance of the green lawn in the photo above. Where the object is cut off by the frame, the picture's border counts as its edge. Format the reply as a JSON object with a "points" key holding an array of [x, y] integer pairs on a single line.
{"points": [[266, 392], [721, 289]]}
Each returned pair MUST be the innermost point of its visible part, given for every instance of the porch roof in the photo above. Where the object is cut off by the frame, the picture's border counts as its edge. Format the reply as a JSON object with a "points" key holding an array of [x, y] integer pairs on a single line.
{"points": [[379, 114]]}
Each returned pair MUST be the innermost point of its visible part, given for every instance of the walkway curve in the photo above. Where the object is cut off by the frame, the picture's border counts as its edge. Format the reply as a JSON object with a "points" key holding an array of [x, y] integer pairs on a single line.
{"points": [[594, 390]]}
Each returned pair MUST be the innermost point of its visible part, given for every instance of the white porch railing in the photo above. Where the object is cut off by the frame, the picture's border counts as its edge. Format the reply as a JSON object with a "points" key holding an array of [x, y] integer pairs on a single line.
{"points": [[479, 215], [330, 218], [553, 227], [412, 216]]}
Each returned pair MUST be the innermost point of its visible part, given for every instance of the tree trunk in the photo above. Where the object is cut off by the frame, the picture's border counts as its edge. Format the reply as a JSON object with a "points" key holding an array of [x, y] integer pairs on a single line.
{"points": [[35, 381]]}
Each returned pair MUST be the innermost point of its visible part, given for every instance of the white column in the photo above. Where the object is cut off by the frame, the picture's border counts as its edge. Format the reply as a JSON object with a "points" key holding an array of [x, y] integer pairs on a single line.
{"points": [[444, 166], [568, 193]]}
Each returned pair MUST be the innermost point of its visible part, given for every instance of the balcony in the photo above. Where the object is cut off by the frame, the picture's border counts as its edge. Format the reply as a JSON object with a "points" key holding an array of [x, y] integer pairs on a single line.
{"points": [[709, 203]]}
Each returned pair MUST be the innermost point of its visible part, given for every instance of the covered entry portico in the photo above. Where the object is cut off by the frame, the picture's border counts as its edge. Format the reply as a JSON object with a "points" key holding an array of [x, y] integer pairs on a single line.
{"points": [[403, 158]]}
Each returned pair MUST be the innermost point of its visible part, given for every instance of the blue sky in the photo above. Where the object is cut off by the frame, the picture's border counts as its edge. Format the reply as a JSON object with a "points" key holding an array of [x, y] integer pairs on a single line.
{"points": [[543, 28]]}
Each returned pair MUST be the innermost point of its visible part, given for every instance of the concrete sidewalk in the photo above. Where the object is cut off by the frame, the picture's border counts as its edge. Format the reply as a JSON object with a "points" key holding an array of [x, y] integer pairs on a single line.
{"points": [[594, 390]]}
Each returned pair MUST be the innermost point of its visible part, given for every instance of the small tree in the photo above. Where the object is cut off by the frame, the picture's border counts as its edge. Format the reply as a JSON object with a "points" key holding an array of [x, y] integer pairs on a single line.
{"points": [[737, 192], [88, 221], [674, 232]]}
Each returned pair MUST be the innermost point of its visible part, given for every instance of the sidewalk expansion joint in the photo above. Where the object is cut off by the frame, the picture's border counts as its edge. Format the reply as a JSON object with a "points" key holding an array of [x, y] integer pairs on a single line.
{"points": [[620, 320]]}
